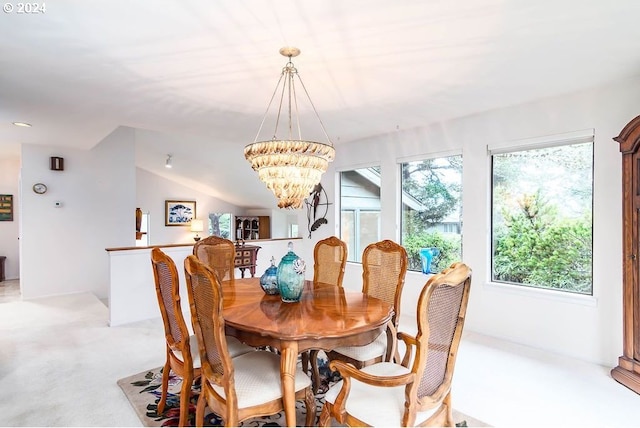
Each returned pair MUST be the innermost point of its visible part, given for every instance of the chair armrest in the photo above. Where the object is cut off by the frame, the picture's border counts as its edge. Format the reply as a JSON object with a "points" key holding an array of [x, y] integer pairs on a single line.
{"points": [[410, 344], [347, 371]]}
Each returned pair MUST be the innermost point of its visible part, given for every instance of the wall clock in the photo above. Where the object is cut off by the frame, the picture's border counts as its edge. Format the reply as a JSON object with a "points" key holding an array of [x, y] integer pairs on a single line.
{"points": [[39, 188]]}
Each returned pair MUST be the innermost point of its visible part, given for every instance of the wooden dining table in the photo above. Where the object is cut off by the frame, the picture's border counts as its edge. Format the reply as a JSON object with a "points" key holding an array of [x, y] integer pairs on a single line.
{"points": [[326, 317]]}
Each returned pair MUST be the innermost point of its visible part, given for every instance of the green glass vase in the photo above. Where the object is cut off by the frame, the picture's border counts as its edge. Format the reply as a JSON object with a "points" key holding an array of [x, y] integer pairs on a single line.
{"points": [[291, 276]]}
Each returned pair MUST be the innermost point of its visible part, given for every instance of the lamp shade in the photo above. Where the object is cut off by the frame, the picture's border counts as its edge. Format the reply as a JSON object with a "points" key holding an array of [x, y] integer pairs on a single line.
{"points": [[197, 225]]}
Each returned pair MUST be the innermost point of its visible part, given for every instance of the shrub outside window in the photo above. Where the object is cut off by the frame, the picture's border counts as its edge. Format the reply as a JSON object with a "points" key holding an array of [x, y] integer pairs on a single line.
{"points": [[432, 212], [542, 230]]}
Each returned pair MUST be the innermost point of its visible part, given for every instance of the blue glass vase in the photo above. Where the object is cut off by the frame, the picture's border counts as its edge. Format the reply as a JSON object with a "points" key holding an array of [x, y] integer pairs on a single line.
{"points": [[291, 276], [426, 256], [269, 279]]}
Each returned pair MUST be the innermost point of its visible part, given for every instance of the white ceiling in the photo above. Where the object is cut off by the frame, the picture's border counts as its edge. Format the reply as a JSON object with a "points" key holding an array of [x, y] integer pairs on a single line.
{"points": [[201, 72]]}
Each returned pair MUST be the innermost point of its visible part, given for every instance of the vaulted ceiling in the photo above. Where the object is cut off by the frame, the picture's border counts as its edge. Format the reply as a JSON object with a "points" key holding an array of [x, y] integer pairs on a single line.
{"points": [[199, 73]]}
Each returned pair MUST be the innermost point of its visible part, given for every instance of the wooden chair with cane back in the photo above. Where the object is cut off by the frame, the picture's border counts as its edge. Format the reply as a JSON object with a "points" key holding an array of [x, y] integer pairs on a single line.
{"points": [[182, 350], [243, 387], [384, 265], [217, 253], [417, 391], [329, 261]]}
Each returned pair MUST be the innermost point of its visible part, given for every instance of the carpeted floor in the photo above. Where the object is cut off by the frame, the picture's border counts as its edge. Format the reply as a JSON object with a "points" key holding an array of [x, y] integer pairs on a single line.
{"points": [[143, 392]]}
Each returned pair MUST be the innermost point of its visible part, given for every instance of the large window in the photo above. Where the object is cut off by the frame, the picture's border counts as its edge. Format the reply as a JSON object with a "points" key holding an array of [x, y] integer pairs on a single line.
{"points": [[542, 217], [432, 212], [359, 210]]}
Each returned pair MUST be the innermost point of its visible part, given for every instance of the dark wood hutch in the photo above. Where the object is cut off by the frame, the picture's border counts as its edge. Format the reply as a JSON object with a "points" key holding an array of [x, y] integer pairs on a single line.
{"points": [[628, 370]]}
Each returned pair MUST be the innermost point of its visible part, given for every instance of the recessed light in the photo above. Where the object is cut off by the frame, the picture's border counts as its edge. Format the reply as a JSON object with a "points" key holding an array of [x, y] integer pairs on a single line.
{"points": [[23, 124]]}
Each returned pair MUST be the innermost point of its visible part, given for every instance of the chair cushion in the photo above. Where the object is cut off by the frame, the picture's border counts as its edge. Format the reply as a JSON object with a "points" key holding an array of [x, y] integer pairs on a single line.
{"points": [[375, 405], [234, 345], [257, 378], [237, 348], [195, 352], [368, 352]]}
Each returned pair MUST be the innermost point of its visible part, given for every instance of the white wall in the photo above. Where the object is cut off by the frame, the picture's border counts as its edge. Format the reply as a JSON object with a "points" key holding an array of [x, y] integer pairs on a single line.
{"points": [[9, 230], [151, 193], [132, 295], [585, 328], [62, 250]]}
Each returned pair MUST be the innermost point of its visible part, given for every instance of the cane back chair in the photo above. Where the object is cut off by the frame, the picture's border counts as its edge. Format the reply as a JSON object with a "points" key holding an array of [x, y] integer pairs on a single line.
{"points": [[217, 253], [329, 260], [374, 394], [243, 387], [384, 267], [182, 349]]}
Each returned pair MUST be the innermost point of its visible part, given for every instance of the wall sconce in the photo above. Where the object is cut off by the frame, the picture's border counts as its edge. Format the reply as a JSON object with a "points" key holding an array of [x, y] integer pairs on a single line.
{"points": [[197, 226], [167, 163]]}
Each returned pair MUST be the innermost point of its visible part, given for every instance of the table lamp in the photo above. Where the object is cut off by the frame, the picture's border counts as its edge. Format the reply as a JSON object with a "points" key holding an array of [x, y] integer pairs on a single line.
{"points": [[197, 226]]}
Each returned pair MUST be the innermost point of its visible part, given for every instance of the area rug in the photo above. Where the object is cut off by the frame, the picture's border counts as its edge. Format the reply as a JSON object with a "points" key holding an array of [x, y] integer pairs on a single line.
{"points": [[143, 392]]}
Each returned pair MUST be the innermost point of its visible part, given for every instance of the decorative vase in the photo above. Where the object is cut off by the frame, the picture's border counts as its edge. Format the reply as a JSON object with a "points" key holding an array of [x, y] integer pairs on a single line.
{"points": [[291, 276], [269, 279], [426, 256]]}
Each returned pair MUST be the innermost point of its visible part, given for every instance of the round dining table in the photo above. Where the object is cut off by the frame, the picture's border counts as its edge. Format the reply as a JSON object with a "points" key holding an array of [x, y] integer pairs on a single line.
{"points": [[326, 317]]}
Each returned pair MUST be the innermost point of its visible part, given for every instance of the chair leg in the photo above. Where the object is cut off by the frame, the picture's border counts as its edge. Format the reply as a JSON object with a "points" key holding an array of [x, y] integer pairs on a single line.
{"points": [[449, 416], [165, 387], [304, 359], [185, 398], [325, 415], [202, 402], [315, 373], [310, 404]]}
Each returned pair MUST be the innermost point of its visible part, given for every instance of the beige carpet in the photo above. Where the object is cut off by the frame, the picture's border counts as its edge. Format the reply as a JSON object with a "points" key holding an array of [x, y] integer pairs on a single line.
{"points": [[143, 392]]}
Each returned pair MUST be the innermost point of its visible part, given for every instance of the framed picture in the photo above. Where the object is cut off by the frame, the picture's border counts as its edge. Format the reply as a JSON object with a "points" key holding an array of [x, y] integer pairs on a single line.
{"points": [[179, 213], [6, 207]]}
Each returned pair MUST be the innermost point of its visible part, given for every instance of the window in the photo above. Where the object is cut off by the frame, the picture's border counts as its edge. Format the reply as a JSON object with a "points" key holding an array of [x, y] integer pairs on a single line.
{"points": [[359, 210], [541, 218], [220, 224], [432, 212]]}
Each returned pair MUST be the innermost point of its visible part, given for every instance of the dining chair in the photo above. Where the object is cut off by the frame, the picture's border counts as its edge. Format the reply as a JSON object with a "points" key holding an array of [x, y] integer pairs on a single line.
{"points": [[182, 351], [384, 265], [417, 391], [183, 357], [217, 253], [243, 387], [329, 260]]}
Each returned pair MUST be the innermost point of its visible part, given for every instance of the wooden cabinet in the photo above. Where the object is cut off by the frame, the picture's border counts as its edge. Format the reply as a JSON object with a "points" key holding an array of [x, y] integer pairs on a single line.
{"points": [[253, 227], [246, 258], [628, 370]]}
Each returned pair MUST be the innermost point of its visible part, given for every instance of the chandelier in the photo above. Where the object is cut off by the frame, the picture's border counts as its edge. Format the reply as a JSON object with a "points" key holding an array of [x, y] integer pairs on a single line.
{"points": [[289, 167]]}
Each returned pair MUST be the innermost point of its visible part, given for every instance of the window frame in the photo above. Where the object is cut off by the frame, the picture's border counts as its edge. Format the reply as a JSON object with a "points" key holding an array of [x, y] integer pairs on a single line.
{"points": [[549, 141], [399, 207], [357, 211]]}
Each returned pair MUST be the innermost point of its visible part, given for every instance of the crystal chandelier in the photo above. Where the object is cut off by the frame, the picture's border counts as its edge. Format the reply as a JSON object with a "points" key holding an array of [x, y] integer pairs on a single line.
{"points": [[290, 167]]}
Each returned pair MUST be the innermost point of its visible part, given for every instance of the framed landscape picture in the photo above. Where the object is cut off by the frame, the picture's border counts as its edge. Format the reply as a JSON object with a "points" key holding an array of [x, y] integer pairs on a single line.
{"points": [[179, 213]]}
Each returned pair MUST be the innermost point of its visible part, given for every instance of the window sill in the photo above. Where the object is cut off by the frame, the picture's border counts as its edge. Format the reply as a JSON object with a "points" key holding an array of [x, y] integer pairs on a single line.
{"points": [[538, 293]]}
